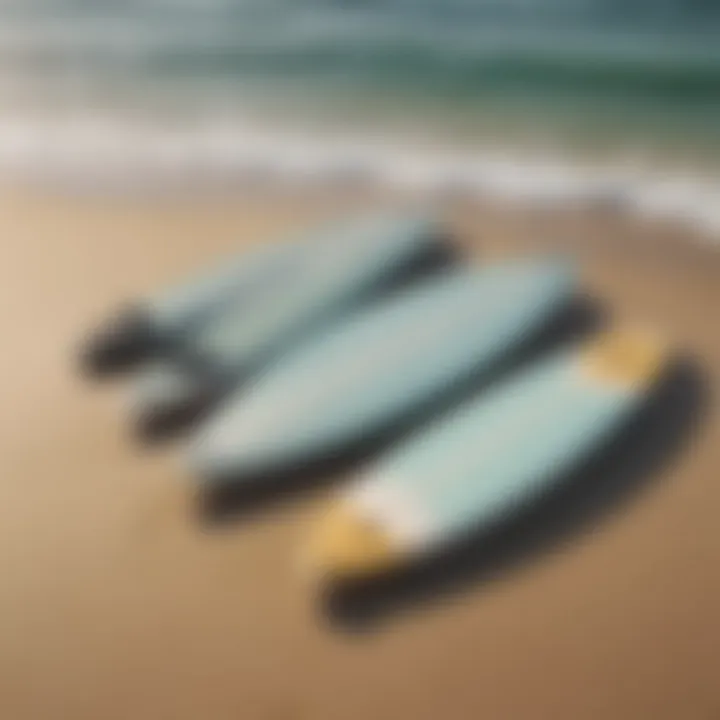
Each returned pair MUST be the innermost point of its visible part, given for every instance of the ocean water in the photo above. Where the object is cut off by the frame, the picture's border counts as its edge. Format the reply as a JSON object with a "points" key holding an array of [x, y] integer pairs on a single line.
{"points": [[540, 99]]}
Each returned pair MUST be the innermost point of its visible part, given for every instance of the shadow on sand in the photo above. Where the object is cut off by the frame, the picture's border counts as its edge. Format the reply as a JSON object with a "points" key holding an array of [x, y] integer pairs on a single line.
{"points": [[232, 498], [635, 457]]}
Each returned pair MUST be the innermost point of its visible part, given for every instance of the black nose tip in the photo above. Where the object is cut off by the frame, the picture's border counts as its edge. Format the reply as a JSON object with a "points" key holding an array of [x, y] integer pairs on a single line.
{"points": [[123, 343]]}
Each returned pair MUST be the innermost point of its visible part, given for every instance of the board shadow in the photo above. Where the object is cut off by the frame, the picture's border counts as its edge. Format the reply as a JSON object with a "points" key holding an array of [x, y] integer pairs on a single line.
{"points": [[637, 456]]}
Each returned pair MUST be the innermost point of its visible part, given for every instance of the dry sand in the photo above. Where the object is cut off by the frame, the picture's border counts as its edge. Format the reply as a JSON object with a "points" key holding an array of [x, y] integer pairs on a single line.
{"points": [[115, 605]]}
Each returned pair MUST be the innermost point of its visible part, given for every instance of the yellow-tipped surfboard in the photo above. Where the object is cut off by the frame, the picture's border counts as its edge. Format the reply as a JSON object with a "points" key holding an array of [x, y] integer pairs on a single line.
{"points": [[485, 461]]}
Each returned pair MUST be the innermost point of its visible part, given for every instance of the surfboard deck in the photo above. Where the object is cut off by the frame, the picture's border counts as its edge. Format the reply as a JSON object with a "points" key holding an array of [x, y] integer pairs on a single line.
{"points": [[488, 459], [343, 269]]}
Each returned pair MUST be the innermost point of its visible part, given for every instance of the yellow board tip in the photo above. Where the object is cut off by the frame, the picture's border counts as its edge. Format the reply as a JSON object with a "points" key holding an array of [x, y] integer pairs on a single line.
{"points": [[625, 357], [345, 546]]}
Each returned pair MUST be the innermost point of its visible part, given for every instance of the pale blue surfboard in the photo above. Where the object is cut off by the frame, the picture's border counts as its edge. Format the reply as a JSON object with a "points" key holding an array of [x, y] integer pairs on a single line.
{"points": [[377, 366], [159, 325], [153, 326], [490, 458], [343, 270]]}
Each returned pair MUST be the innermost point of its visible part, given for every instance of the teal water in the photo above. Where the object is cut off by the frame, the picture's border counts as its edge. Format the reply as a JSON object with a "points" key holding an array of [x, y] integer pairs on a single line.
{"points": [[576, 67], [190, 83]]}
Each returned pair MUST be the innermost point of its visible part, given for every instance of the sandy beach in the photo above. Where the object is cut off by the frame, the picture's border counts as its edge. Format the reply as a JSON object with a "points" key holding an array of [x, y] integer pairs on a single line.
{"points": [[115, 604]]}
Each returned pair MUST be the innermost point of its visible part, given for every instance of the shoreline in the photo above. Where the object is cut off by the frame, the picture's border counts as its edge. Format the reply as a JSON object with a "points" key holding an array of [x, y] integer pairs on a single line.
{"points": [[102, 157]]}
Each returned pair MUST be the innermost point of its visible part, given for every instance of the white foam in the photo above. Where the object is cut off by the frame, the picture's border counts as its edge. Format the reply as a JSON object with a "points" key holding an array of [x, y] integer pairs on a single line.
{"points": [[104, 154]]}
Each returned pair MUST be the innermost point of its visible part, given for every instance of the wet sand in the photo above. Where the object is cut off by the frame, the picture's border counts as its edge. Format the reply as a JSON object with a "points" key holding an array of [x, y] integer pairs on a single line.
{"points": [[114, 604]]}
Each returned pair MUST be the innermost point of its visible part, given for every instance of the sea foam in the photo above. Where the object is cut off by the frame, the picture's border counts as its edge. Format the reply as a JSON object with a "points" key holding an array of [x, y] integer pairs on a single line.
{"points": [[105, 155]]}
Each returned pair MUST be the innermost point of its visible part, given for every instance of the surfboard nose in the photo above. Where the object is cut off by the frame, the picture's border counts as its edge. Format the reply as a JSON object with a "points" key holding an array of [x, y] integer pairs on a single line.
{"points": [[625, 357], [169, 398], [345, 545]]}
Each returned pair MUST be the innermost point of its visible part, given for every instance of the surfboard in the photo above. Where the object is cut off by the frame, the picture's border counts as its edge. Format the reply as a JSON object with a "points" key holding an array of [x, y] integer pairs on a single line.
{"points": [[340, 273], [376, 367], [151, 327], [488, 459], [159, 325]]}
